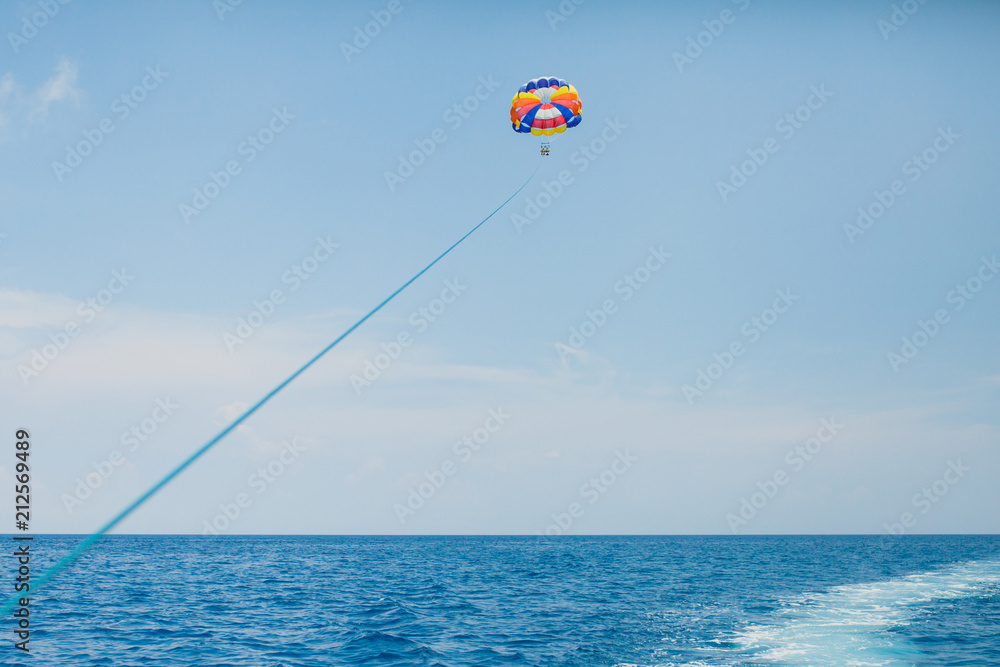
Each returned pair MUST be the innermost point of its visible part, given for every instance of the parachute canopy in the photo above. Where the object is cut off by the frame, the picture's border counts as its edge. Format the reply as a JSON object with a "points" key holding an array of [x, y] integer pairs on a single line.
{"points": [[547, 105]]}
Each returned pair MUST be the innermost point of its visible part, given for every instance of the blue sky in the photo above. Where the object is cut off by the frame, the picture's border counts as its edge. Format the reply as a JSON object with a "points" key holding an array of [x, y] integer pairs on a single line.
{"points": [[671, 134]]}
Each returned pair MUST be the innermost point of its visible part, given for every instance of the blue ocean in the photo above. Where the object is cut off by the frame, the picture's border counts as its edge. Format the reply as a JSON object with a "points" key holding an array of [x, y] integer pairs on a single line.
{"points": [[568, 601]]}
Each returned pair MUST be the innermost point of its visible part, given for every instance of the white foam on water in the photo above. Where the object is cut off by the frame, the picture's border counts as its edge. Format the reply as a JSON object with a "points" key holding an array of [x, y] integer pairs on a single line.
{"points": [[850, 625], [676, 664]]}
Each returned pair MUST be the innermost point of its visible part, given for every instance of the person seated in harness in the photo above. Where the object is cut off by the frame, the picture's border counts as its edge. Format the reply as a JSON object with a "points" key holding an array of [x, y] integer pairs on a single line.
{"points": [[545, 149]]}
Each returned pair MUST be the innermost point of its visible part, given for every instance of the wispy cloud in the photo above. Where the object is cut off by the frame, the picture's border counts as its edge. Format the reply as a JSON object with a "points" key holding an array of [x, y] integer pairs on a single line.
{"points": [[565, 423], [20, 106], [23, 309], [61, 87]]}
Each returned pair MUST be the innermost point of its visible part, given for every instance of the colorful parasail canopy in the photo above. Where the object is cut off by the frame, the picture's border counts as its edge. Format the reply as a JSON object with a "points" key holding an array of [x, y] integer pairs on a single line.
{"points": [[545, 106]]}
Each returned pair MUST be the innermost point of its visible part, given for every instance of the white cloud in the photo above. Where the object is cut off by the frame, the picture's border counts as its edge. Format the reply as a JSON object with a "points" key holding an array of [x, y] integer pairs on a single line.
{"points": [[364, 452], [7, 88], [60, 87], [27, 107], [22, 309]]}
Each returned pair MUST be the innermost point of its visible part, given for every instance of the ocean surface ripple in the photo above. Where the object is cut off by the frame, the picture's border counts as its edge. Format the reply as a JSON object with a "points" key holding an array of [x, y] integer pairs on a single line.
{"points": [[572, 601]]}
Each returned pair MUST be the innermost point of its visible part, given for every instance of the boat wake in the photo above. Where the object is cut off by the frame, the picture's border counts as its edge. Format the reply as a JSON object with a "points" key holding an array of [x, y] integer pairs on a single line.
{"points": [[858, 624]]}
